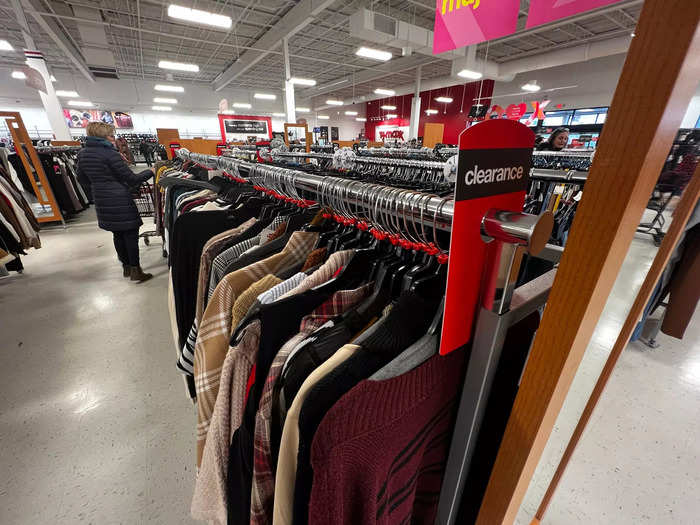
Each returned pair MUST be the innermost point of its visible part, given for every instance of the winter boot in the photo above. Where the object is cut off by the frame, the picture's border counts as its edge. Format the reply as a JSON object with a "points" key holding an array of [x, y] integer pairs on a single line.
{"points": [[137, 274]]}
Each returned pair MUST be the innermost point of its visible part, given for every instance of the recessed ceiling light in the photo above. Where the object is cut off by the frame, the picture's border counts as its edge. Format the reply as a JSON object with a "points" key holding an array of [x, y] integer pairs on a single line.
{"points": [[242, 105], [374, 54], [444, 100], [468, 73], [332, 102], [531, 86], [198, 17], [265, 96], [178, 66], [390, 108], [19, 75], [323, 117], [161, 108], [171, 89], [63, 93], [302, 110], [80, 103], [6, 46], [431, 111], [351, 113], [388, 92], [53, 79], [392, 115], [361, 119], [302, 81], [164, 100], [279, 114]]}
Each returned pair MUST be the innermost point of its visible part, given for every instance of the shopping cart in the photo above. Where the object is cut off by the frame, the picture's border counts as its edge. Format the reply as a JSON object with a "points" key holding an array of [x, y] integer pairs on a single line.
{"points": [[143, 197]]}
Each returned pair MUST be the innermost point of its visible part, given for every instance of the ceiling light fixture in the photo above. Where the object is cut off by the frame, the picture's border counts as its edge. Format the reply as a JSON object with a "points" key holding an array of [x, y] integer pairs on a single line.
{"points": [[351, 113], [53, 79], [431, 111], [531, 86], [361, 119], [374, 54], [6, 46], [633, 35], [19, 75], [279, 114], [161, 108], [390, 108], [265, 96], [323, 117], [392, 115], [62, 93], [444, 100], [388, 92], [241, 105], [164, 100], [332, 102], [468, 73], [302, 110], [171, 89], [302, 81], [80, 103], [198, 17], [178, 66]]}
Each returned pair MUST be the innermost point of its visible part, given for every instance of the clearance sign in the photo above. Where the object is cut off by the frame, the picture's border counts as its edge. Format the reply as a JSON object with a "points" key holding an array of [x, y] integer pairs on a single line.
{"points": [[460, 23]]}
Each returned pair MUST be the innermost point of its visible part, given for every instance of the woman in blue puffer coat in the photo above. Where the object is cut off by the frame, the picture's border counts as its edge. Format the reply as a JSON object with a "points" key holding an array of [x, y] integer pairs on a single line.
{"points": [[110, 181]]}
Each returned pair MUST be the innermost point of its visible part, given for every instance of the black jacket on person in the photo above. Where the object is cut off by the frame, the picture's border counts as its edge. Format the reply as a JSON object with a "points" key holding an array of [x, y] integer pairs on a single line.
{"points": [[111, 180]]}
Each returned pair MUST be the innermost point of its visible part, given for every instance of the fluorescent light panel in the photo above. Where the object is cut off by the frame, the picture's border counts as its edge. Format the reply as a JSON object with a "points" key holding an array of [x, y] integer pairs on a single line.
{"points": [[332, 102], [323, 117], [53, 79], [80, 103], [361, 119], [19, 75], [6, 46], [198, 17], [388, 92], [393, 115], [302, 81], [530, 86], [302, 110], [351, 113], [161, 108], [468, 73], [64, 93], [178, 66], [390, 108], [171, 89], [431, 111], [265, 96], [444, 100], [242, 105], [164, 100], [374, 54]]}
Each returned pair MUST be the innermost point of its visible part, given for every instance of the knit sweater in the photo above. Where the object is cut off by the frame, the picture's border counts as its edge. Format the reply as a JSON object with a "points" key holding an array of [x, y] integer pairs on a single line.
{"points": [[379, 454]]}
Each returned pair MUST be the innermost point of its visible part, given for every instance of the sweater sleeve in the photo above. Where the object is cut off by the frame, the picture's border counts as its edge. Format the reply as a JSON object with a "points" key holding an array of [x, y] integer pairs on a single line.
{"points": [[122, 172]]}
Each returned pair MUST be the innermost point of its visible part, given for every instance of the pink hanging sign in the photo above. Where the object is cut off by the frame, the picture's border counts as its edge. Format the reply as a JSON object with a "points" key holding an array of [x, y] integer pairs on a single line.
{"points": [[545, 11], [460, 23]]}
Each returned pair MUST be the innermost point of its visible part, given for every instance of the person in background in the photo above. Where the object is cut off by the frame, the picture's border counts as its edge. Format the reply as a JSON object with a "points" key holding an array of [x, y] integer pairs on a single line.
{"points": [[123, 148], [111, 180], [557, 141], [147, 151]]}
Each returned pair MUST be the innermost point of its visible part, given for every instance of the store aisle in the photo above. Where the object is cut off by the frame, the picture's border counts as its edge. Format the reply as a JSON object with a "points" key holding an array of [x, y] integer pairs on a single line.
{"points": [[95, 426]]}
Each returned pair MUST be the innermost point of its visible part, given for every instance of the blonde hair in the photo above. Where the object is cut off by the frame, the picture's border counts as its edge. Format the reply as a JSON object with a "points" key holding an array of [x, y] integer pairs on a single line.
{"points": [[99, 129]]}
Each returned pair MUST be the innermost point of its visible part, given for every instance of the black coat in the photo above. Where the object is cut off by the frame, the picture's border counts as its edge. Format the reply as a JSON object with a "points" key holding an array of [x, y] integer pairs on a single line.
{"points": [[111, 180]]}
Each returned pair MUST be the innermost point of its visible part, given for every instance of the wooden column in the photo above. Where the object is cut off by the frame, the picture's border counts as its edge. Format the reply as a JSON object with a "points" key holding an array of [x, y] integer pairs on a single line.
{"points": [[661, 73]]}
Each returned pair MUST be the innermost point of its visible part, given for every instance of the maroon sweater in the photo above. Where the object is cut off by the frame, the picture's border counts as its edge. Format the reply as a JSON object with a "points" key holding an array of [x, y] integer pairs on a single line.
{"points": [[379, 454]]}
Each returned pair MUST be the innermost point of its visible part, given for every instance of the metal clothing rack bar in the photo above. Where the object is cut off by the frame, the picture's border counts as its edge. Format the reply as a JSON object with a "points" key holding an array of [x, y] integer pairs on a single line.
{"points": [[565, 176]]}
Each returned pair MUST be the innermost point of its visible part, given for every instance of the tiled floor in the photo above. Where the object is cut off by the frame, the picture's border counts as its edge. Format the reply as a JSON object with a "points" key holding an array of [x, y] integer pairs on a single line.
{"points": [[95, 426]]}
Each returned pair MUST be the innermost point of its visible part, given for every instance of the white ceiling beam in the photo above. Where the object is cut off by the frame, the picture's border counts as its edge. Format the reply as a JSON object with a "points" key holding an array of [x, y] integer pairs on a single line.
{"points": [[55, 33], [296, 19]]}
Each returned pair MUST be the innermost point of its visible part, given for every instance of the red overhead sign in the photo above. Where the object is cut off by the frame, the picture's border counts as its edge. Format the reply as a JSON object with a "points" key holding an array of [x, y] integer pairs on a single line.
{"points": [[545, 11]]}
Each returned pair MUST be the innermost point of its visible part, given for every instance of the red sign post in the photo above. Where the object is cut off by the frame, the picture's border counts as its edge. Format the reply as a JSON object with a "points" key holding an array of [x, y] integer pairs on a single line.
{"points": [[492, 173]]}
